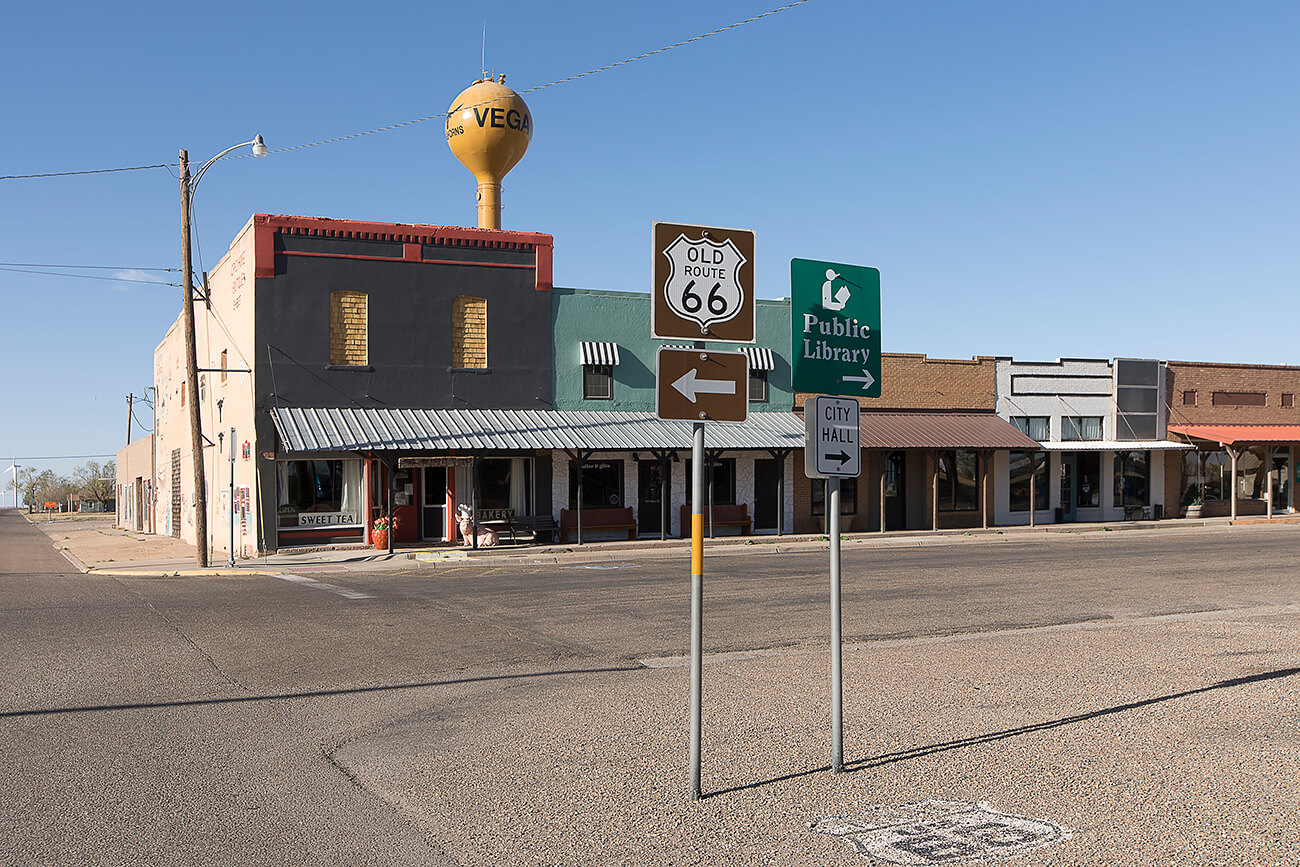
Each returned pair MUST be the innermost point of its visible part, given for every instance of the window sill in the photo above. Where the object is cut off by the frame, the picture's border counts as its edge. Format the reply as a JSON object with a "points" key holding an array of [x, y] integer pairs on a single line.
{"points": [[360, 368], [469, 370]]}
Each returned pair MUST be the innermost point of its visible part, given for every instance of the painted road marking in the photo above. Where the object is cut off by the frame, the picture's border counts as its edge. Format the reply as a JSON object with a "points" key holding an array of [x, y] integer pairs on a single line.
{"points": [[322, 585], [939, 832]]}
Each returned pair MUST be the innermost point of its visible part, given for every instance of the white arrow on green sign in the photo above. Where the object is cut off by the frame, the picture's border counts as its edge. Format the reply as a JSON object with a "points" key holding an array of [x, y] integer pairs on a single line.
{"points": [[835, 328]]}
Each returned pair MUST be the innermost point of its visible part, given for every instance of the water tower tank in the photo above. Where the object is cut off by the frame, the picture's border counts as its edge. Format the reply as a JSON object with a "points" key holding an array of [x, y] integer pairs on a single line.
{"points": [[488, 129]]}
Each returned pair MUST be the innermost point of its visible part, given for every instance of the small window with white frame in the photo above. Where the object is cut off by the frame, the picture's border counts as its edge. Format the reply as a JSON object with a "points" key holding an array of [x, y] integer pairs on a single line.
{"points": [[598, 382]]}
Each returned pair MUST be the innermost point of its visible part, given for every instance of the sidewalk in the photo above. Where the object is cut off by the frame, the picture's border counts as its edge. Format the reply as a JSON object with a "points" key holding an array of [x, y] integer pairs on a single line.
{"points": [[96, 546]]}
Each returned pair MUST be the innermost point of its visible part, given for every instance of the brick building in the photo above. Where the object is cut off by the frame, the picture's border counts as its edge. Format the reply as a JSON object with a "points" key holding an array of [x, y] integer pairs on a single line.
{"points": [[1244, 422], [929, 442]]}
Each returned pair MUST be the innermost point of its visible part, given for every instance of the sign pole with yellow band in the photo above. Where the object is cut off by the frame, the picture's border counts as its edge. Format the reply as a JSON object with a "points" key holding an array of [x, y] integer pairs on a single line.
{"points": [[697, 599]]}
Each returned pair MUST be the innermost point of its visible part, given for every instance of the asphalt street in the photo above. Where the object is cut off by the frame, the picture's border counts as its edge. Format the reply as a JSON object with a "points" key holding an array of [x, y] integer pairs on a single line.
{"points": [[1135, 688]]}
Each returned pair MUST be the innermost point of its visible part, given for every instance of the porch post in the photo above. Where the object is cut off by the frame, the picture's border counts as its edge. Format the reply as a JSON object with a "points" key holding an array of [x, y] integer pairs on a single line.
{"points": [[1033, 494], [1268, 467], [473, 500], [392, 486], [884, 460], [984, 489], [664, 512], [934, 492], [1233, 454], [366, 470]]}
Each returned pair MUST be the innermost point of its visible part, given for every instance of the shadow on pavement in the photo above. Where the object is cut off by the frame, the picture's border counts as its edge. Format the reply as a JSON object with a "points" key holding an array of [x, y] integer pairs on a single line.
{"points": [[991, 737], [323, 693]]}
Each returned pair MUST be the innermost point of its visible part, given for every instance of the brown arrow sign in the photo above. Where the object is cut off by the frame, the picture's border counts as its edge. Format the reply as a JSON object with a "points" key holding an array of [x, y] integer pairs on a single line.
{"points": [[702, 385]]}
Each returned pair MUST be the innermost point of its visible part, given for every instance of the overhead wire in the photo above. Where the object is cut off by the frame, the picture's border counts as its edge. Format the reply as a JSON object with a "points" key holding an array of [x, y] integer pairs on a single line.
{"points": [[91, 267], [390, 127], [90, 277]]}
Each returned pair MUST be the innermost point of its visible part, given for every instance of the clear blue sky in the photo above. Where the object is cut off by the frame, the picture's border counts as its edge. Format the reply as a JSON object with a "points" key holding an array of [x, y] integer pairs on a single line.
{"points": [[1032, 179]]}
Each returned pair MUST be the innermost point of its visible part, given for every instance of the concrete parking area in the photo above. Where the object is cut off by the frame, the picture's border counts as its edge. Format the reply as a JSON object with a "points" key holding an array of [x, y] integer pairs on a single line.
{"points": [[1132, 690]]}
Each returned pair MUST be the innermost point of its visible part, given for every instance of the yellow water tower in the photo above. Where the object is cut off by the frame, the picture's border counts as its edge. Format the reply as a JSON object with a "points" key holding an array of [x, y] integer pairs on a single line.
{"points": [[488, 129]]}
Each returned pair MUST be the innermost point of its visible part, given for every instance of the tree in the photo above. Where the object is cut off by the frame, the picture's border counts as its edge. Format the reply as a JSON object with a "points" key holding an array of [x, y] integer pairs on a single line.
{"points": [[95, 482]]}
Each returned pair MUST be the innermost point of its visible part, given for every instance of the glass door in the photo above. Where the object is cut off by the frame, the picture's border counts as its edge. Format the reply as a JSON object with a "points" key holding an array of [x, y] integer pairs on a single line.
{"points": [[652, 492], [896, 491], [767, 476], [1067, 486], [433, 505]]}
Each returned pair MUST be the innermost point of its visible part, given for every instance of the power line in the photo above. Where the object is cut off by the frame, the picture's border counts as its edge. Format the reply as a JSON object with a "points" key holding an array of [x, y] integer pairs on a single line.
{"points": [[444, 114], [63, 457], [549, 83], [94, 267], [87, 172], [90, 277]]}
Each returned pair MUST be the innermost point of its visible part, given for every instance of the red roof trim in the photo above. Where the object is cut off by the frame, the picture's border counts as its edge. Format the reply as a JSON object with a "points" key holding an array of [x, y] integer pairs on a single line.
{"points": [[266, 226], [1231, 434]]}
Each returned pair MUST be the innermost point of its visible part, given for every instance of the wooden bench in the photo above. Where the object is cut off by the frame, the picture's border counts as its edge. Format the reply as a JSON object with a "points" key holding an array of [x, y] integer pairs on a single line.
{"points": [[597, 519], [528, 528], [723, 516]]}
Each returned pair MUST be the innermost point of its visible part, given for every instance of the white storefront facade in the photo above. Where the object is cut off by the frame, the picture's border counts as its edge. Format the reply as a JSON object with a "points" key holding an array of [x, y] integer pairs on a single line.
{"points": [[1101, 425]]}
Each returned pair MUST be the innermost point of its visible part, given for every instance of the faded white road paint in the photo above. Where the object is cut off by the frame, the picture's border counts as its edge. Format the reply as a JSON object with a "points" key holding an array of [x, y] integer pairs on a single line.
{"points": [[322, 585]]}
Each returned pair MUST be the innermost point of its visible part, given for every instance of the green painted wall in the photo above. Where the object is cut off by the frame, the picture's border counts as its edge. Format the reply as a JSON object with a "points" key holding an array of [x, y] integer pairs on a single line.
{"points": [[579, 315]]}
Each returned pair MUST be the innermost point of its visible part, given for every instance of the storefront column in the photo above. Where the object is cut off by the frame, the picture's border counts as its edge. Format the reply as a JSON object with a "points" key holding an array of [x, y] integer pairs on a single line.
{"points": [[1033, 494], [984, 489], [934, 492], [366, 469], [883, 461], [1268, 486], [1232, 453]]}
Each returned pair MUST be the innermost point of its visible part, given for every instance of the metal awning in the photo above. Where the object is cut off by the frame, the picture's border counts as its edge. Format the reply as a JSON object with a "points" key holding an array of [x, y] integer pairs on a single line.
{"points": [[917, 430], [325, 429], [598, 353], [1114, 446], [1237, 434], [759, 358]]}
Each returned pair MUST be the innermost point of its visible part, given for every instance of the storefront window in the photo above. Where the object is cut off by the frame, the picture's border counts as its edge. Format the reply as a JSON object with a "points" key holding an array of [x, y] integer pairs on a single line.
{"points": [[318, 493], [1132, 478], [1022, 466], [1036, 427], [504, 485], [602, 484], [958, 481], [1080, 427], [723, 471], [848, 496]]}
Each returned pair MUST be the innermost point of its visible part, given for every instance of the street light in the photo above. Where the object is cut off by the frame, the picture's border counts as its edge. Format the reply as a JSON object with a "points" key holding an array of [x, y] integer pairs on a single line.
{"points": [[188, 188]]}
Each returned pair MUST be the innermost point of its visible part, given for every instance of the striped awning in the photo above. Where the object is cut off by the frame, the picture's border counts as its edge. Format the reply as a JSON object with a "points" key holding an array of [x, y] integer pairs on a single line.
{"points": [[759, 358], [599, 353]]}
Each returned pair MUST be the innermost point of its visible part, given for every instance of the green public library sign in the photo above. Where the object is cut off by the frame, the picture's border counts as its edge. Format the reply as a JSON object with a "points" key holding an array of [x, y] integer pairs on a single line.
{"points": [[835, 328]]}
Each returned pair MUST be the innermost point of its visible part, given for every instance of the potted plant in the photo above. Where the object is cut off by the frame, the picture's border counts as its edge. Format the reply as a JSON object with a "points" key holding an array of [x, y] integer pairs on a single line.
{"points": [[1194, 507], [379, 532]]}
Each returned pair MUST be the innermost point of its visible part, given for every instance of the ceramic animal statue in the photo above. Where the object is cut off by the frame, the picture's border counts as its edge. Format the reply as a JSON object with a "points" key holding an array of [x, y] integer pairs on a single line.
{"points": [[487, 537]]}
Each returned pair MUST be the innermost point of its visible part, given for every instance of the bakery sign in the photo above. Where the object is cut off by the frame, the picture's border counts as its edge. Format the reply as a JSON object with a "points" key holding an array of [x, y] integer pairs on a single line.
{"points": [[326, 519]]}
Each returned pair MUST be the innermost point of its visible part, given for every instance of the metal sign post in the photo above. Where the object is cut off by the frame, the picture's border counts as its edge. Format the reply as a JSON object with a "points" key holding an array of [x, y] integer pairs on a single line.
{"points": [[697, 601], [702, 289], [832, 451]]}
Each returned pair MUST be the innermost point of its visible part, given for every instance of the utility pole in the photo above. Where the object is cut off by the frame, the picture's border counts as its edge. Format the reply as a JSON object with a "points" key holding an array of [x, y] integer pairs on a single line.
{"points": [[192, 372], [130, 405]]}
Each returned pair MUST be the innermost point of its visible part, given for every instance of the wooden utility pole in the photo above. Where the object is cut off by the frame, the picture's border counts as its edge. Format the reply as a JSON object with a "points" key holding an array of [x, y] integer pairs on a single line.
{"points": [[130, 405], [192, 372]]}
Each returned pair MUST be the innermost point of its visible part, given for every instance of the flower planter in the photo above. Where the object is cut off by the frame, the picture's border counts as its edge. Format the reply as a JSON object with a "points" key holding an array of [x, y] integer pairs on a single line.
{"points": [[1193, 512], [380, 538]]}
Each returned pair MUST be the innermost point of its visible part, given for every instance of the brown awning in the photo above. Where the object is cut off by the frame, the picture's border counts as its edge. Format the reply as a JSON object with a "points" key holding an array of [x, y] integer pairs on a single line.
{"points": [[919, 430]]}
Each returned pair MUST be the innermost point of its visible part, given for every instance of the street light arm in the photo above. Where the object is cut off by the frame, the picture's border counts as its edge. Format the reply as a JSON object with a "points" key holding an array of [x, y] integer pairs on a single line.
{"points": [[259, 149]]}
